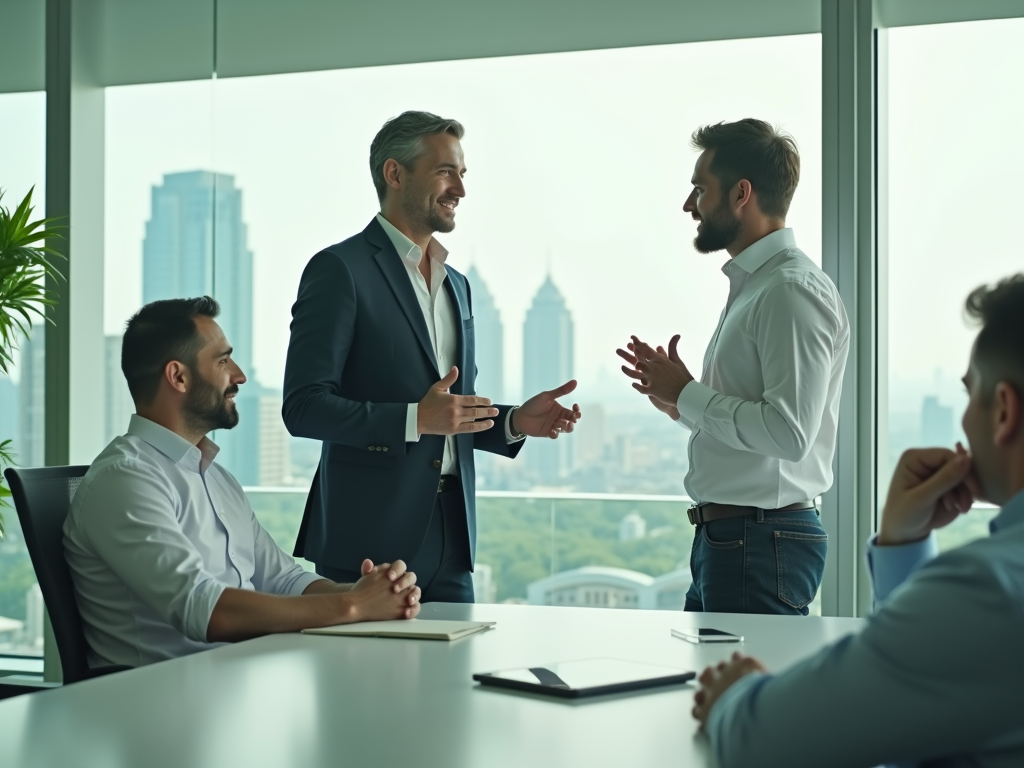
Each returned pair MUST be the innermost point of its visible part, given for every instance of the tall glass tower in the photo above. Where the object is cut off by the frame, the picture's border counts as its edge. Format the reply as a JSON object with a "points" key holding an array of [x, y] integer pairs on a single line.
{"points": [[547, 363], [196, 245], [490, 340]]}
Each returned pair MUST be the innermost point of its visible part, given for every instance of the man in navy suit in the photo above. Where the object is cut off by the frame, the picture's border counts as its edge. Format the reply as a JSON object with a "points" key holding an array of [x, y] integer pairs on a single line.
{"points": [[381, 368]]}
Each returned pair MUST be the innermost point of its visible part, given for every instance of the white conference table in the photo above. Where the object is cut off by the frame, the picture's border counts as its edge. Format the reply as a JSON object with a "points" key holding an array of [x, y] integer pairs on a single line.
{"points": [[307, 700]]}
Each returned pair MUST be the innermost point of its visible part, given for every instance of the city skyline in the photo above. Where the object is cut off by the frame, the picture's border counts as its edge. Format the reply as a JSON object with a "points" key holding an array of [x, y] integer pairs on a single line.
{"points": [[195, 245], [548, 362]]}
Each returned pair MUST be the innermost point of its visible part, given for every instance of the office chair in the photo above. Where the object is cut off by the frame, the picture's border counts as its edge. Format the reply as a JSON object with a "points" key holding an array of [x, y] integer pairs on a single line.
{"points": [[42, 498]]}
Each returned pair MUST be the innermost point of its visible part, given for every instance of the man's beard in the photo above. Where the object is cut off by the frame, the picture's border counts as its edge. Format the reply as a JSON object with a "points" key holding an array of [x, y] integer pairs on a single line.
{"points": [[206, 407], [718, 231], [426, 219]]}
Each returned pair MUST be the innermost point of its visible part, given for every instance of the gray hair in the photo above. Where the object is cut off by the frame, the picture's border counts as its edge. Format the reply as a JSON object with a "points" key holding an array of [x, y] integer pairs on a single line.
{"points": [[401, 139]]}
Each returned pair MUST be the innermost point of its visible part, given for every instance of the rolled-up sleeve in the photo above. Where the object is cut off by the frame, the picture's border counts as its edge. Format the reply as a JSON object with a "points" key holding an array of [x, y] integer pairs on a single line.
{"points": [[128, 516], [275, 571]]}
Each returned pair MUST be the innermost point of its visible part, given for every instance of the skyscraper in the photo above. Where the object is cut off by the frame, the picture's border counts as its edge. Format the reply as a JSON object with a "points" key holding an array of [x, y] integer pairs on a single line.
{"points": [[547, 363], [490, 340], [30, 447], [275, 463], [195, 245], [937, 423], [9, 408], [118, 407]]}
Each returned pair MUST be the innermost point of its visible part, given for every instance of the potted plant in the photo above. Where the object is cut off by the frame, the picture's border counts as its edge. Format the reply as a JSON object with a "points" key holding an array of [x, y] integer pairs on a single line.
{"points": [[24, 264]]}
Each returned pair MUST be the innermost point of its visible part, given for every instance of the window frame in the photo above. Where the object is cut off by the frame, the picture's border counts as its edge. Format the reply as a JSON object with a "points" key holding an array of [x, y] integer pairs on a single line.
{"points": [[113, 43]]}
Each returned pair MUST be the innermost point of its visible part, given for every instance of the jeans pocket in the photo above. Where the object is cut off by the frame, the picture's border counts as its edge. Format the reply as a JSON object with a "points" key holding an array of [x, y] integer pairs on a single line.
{"points": [[801, 563], [729, 544]]}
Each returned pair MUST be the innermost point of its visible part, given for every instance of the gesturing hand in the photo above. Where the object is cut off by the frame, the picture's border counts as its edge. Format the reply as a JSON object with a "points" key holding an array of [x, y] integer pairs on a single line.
{"points": [[442, 413], [386, 591], [658, 374], [715, 681], [543, 416], [930, 488]]}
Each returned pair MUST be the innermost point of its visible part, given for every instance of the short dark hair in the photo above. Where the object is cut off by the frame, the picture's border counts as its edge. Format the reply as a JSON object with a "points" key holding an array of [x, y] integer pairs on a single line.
{"points": [[401, 138], [999, 348], [753, 150], [158, 333]]}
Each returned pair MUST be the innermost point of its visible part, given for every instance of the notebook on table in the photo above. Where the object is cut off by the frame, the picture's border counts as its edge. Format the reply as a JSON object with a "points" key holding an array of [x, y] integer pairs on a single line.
{"points": [[416, 629]]}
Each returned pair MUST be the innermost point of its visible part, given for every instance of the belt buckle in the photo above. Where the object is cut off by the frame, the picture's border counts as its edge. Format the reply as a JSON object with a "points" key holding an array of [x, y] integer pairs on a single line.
{"points": [[440, 485], [693, 513]]}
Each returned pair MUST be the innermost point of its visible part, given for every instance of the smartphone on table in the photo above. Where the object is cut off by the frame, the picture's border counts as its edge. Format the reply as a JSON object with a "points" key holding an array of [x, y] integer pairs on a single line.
{"points": [[706, 635]]}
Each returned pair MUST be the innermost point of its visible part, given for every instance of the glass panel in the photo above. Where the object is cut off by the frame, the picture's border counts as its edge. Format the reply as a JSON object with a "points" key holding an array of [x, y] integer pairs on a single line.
{"points": [[586, 550], [949, 85], [159, 212], [572, 234], [22, 394]]}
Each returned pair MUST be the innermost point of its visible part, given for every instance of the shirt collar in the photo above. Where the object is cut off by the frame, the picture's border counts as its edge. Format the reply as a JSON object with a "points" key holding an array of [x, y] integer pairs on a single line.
{"points": [[407, 249], [1011, 514], [198, 458], [756, 255]]}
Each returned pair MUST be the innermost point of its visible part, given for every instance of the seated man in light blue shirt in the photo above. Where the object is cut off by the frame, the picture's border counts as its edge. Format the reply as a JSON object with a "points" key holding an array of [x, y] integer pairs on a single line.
{"points": [[936, 676], [166, 555]]}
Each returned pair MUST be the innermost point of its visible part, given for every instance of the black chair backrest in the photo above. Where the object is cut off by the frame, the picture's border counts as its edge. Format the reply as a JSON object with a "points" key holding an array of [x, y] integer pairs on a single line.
{"points": [[43, 498]]}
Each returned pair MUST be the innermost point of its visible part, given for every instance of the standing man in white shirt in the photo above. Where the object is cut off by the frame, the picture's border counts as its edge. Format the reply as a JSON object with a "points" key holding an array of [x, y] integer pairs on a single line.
{"points": [[381, 368], [166, 555], [763, 417]]}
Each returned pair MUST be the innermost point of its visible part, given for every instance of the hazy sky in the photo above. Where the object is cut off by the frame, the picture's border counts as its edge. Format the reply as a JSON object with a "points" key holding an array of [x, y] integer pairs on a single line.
{"points": [[956, 118], [581, 161]]}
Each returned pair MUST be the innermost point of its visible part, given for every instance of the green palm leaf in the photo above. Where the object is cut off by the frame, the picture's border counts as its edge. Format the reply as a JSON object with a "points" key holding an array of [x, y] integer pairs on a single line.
{"points": [[25, 264]]}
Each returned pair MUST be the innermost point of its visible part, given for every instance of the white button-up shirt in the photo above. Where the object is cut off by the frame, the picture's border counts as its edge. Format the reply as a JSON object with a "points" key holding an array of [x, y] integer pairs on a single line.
{"points": [[155, 534], [440, 317], [764, 414]]}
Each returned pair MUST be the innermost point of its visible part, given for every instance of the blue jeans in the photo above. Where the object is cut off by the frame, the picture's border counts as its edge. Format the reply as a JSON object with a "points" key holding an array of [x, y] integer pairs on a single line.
{"points": [[758, 563]]}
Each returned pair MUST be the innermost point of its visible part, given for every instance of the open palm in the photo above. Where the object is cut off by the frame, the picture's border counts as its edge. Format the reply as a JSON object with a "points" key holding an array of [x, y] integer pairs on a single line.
{"points": [[543, 416]]}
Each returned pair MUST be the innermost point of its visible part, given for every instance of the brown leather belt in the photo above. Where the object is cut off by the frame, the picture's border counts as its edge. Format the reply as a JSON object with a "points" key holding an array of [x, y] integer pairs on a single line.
{"points": [[706, 513]]}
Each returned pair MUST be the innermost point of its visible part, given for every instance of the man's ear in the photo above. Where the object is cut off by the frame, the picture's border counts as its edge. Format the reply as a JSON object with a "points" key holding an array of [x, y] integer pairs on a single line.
{"points": [[394, 173], [742, 194], [1006, 414], [177, 375]]}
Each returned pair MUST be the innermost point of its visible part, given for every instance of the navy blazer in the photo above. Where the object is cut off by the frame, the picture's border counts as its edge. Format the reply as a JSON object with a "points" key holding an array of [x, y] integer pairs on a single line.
{"points": [[359, 354]]}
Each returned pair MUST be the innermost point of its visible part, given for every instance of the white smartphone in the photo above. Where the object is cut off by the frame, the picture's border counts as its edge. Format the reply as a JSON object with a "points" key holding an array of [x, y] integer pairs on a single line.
{"points": [[706, 635]]}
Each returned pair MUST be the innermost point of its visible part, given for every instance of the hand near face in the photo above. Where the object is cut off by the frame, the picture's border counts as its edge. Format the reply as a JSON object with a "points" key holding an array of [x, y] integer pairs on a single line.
{"points": [[658, 374], [717, 680], [543, 416], [930, 488]]}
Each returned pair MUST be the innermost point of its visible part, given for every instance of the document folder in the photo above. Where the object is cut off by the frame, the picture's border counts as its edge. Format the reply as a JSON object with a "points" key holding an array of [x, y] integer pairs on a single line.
{"points": [[417, 629]]}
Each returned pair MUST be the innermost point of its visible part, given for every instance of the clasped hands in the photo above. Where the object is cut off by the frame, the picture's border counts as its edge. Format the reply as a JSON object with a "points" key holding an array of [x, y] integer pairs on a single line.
{"points": [[442, 413], [385, 591], [659, 374]]}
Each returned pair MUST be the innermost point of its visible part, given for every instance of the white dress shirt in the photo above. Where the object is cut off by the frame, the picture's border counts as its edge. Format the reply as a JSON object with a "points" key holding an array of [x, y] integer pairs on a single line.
{"points": [[155, 534], [764, 414], [439, 315]]}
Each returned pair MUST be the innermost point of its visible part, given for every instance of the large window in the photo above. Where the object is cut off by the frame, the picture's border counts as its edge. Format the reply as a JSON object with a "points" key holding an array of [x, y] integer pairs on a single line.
{"points": [[578, 167], [22, 166], [955, 109]]}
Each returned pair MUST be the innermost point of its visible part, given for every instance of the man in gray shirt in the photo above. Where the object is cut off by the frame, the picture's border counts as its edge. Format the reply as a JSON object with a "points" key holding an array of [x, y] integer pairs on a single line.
{"points": [[935, 677], [166, 555]]}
